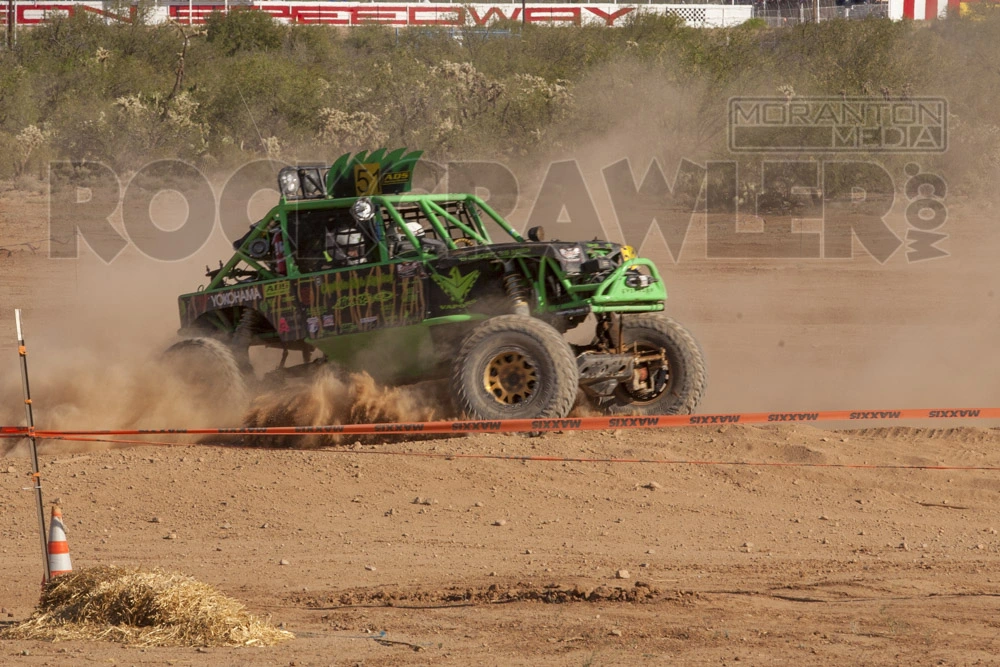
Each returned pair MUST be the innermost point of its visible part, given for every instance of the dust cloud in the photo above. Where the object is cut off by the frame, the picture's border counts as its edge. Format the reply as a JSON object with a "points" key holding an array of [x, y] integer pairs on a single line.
{"points": [[332, 397], [97, 332]]}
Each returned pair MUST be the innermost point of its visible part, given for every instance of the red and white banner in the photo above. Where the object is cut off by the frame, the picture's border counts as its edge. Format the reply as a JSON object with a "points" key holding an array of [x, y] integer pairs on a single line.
{"points": [[400, 14], [925, 10], [920, 10]]}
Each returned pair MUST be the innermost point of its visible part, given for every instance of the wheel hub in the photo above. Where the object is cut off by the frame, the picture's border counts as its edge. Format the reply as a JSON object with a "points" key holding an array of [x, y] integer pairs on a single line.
{"points": [[651, 375], [510, 378]]}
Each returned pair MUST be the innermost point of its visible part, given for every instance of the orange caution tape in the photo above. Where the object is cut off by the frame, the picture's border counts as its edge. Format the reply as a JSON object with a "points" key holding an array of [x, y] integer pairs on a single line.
{"points": [[531, 425], [541, 425], [16, 432]]}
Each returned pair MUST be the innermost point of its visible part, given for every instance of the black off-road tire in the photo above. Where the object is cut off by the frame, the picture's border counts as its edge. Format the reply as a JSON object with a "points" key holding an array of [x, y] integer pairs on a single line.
{"points": [[535, 358], [687, 374], [211, 368]]}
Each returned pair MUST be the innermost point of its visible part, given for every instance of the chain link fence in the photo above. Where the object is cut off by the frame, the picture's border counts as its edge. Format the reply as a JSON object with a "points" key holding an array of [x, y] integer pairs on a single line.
{"points": [[782, 13]]}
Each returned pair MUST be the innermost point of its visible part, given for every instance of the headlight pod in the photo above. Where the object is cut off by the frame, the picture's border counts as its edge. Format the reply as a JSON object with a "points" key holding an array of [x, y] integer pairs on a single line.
{"points": [[573, 254], [637, 280], [289, 182], [312, 183], [363, 210], [301, 182]]}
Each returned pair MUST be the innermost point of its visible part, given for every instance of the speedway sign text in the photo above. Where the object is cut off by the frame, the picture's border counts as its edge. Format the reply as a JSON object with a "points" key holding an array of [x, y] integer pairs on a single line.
{"points": [[398, 14]]}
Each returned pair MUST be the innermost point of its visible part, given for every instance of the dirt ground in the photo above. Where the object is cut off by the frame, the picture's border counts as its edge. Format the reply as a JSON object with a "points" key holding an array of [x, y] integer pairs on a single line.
{"points": [[504, 562]]}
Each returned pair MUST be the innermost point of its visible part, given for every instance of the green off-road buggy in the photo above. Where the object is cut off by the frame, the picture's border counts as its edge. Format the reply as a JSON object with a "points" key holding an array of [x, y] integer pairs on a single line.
{"points": [[413, 287]]}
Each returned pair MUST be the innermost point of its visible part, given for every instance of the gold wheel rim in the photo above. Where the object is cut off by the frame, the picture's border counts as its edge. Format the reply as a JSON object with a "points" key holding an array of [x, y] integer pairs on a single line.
{"points": [[510, 378]]}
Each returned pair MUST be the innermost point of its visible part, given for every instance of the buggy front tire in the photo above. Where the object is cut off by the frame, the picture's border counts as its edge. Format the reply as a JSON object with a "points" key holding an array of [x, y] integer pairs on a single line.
{"points": [[514, 367], [684, 376]]}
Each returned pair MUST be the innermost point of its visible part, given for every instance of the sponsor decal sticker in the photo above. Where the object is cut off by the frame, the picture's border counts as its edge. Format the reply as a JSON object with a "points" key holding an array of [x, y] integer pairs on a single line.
{"points": [[455, 285]]}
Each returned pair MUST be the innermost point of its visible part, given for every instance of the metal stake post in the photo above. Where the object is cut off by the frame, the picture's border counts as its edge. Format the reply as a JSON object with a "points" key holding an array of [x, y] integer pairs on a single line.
{"points": [[36, 479]]}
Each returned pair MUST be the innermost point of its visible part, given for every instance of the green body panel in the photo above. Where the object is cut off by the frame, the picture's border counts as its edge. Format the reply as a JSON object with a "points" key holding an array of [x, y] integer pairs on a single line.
{"points": [[609, 295]]}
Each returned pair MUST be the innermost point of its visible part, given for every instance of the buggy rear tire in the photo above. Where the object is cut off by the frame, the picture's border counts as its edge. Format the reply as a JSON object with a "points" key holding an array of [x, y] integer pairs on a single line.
{"points": [[514, 367], [686, 375]]}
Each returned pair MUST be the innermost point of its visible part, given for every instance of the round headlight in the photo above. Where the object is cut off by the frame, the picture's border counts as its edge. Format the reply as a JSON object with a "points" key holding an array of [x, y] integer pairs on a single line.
{"points": [[571, 254], [289, 181], [363, 209]]}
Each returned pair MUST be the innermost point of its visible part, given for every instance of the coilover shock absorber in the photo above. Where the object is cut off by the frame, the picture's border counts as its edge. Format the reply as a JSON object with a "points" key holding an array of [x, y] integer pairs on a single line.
{"points": [[517, 290]]}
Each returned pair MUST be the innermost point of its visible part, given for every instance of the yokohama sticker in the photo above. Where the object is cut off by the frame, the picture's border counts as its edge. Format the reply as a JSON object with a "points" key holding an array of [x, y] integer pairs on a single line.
{"points": [[235, 297]]}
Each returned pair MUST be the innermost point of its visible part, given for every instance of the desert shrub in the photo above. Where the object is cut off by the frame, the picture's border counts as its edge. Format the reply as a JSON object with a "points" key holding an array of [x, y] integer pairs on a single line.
{"points": [[244, 30], [246, 86]]}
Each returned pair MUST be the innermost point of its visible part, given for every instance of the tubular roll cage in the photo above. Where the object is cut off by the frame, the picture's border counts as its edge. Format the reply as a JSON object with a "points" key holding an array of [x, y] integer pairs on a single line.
{"points": [[604, 296]]}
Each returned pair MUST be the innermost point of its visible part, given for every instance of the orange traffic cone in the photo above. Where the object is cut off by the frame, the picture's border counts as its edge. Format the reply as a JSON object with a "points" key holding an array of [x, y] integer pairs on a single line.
{"points": [[58, 547]]}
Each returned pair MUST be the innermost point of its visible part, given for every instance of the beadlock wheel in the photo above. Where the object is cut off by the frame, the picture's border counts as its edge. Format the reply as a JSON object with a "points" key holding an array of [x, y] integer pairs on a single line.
{"points": [[514, 367], [510, 377]]}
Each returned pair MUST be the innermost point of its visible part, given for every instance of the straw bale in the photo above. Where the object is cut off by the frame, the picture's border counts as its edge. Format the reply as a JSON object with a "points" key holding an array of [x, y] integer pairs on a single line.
{"points": [[142, 607]]}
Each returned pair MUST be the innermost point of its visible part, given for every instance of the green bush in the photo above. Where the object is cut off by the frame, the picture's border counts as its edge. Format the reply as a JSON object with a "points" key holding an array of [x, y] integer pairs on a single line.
{"points": [[244, 30], [754, 24]]}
